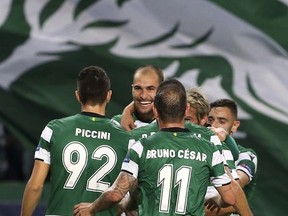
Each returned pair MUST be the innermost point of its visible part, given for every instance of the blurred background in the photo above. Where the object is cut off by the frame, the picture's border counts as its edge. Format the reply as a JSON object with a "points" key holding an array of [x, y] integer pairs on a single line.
{"points": [[231, 49]]}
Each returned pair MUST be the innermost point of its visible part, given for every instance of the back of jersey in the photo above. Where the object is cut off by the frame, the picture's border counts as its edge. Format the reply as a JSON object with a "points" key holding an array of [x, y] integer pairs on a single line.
{"points": [[86, 153], [174, 171]]}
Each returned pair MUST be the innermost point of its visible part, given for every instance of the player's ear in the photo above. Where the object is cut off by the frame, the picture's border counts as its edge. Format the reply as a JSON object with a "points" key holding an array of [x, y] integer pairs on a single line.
{"points": [[187, 111], [155, 112], [235, 126], [77, 96], [109, 95], [204, 121]]}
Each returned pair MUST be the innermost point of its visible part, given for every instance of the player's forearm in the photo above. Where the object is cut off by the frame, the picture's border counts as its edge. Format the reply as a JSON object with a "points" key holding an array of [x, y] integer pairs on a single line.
{"points": [[107, 200], [129, 109], [134, 200], [241, 205], [115, 193], [30, 200], [127, 121], [238, 207], [225, 211]]}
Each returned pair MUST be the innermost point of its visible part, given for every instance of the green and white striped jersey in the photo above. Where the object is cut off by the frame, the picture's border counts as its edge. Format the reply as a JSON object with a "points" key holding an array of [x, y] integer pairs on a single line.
{"points": [[85, 152], [137, 122], [208, 134], [197, 130], [174, 168], [247, 163]]}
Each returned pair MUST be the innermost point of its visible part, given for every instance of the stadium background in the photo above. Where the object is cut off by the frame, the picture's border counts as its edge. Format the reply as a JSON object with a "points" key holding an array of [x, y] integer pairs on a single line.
{"points": [[234, 49]]}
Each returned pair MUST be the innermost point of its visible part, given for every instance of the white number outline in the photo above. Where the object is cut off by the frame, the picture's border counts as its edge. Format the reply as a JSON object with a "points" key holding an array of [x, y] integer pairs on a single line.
{"points": [[182, 181], [68, 151], [94, 183], [165, 173], [182, 178]]}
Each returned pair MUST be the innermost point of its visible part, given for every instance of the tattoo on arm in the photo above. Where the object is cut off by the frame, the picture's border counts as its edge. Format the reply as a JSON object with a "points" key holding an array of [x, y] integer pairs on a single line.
{"points": [[123, 183], [115, 193]]}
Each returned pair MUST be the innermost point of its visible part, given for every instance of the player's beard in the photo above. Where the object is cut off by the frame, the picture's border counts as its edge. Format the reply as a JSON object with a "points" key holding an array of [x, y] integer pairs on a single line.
{"points": [[144, 113]]}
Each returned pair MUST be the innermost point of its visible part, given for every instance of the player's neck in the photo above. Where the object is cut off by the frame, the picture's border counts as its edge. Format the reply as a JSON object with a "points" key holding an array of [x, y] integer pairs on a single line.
{"points": [[171, 124], [99, 109], [145, 117]]}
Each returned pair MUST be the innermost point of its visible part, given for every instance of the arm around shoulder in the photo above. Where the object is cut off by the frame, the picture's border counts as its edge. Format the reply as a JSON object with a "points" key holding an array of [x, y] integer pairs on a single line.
{"points": [[127, 121], [109, 198]]}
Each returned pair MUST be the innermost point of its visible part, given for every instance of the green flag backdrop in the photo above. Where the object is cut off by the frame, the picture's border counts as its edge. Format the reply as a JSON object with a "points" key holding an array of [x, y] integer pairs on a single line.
{"points": [[232, 49]]}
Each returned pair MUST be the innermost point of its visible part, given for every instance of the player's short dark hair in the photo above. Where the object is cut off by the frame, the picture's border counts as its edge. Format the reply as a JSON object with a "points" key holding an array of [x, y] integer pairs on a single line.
{"points": [[224, 102], [170, 100], [93, 85]]}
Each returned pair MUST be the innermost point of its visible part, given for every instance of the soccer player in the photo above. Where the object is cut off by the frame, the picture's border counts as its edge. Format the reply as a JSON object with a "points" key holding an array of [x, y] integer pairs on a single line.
{"points": [[197, 114], [83, 152], [224, 114], [145, 83], [196, 117], [173, 167]]}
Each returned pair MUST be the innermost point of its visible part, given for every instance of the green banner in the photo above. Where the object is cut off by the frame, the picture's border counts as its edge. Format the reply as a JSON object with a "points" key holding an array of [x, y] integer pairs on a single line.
{"points": [[231, 49]]}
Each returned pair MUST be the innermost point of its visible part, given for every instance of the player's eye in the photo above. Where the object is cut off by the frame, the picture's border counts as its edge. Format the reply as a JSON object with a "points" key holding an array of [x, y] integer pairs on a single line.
{"points": [[137, 88], [151, 88], [210, 120]]}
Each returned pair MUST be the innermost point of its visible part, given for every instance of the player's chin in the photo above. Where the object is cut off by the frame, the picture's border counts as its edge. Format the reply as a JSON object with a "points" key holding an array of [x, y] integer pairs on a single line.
{"points": [[146, 108]]}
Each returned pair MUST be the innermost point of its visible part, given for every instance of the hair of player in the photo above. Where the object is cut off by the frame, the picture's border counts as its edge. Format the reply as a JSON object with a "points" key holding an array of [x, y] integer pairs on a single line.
{"points": [[198, 101], [147, 68], [170, 100], [224, 102], [93, 85]]}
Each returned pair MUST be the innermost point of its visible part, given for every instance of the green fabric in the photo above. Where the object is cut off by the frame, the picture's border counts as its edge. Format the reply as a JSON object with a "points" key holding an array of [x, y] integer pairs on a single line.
{"points": [[232, 145], [182, 160], [81, 148], [237, 50]]}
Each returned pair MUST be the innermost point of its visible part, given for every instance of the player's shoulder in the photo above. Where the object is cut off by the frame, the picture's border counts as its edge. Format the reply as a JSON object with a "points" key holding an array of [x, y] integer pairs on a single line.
{"points": [[151, 138], [203, 141], [188, 136], [117, 118], [61, 121], [116, 127], [247, 150], [248, 157], [149, 127], [198, 128]]}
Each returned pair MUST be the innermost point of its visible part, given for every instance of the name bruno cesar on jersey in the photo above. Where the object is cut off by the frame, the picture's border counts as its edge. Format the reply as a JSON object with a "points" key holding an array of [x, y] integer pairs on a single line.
{"points": [[170, 153]]}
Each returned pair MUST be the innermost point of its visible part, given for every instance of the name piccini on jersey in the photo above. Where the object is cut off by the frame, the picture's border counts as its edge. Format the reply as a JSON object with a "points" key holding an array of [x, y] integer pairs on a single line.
{"points": [[92, 134]]}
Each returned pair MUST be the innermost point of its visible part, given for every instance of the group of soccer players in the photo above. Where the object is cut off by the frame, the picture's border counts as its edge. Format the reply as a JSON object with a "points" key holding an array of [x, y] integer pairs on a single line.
{"points": [[169, 153]]}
